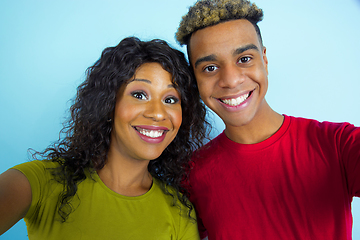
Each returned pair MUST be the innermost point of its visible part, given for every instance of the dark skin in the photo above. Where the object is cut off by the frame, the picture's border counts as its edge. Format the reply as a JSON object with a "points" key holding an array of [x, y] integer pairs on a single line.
{"points": [[151, 103], [230, 66], [15, 198]]}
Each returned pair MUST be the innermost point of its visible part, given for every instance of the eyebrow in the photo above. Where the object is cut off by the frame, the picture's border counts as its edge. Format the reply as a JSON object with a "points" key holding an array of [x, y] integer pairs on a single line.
{"points": [[238, 51], [139, 80], [147, 81], [245, 48], [209, 58]]}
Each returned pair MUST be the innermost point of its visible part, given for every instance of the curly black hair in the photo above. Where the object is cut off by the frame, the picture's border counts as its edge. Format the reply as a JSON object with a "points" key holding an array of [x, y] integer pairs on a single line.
{"points": [[207, 13], [87, 133]]}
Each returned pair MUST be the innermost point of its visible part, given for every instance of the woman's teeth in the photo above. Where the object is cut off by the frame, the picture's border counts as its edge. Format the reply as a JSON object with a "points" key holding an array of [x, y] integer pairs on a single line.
{"points": [[151, 133]]}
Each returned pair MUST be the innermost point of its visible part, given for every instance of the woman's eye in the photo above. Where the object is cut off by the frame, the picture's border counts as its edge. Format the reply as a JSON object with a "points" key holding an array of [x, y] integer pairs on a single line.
{"points": [[139, 95], [171, 100], [244, 59], [210, 68]]}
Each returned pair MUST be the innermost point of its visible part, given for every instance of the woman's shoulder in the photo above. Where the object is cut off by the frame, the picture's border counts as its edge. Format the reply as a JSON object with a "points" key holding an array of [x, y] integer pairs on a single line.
{"points": [[165, 189], [170, 195], [36, 166], [37, 171]]}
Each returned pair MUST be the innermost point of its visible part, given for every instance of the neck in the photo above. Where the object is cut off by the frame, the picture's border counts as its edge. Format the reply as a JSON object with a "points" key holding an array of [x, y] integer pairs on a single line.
{"points": [[265, 123], [129, 178]]}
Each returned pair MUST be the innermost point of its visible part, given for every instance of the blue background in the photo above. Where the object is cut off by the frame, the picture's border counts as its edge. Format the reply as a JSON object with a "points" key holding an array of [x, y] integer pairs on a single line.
{"points": [[313, 50]]}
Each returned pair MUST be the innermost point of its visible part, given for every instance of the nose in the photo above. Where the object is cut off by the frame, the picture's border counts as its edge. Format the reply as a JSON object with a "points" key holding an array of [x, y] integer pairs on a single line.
{"points": [[155, 110], [231, 76]]}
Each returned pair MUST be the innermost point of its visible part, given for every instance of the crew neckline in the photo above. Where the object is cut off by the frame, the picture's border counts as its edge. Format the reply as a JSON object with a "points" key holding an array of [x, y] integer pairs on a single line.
{"points": [[154, 184], [228, 143]]}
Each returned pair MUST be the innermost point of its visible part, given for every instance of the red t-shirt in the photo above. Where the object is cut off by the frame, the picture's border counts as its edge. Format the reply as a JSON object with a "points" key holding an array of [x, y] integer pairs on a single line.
{"points": [[298, 184]]}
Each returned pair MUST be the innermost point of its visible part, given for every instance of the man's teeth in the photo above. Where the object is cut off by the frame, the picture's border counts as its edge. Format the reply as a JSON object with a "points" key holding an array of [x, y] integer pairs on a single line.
{"points": [[235, 101], [151, 133]]}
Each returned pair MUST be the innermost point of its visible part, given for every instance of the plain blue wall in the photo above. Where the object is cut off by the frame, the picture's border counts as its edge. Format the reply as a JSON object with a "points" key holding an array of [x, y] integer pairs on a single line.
{"points": [[45, 46]]}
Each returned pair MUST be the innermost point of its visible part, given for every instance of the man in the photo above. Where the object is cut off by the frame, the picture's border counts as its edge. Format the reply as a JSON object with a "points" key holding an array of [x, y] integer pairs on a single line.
{"points": [[267, 176]]}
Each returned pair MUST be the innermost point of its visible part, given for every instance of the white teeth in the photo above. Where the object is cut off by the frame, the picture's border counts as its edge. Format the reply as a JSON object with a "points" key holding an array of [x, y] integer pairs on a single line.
{"points": [[235, 101], [151, 133]]}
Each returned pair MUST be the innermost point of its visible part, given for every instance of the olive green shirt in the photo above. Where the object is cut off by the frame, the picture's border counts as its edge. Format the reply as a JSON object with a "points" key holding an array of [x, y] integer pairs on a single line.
{"points": [[100, 213]]}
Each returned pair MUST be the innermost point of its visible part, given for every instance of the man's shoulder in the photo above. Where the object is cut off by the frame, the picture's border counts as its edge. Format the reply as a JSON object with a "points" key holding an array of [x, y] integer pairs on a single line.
{"points": [[211, 149], [313, 123], [316, 130]]}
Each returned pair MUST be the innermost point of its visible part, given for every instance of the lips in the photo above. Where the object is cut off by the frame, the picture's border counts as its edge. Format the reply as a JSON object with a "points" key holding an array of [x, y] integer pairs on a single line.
{"points": [[151, 134]]}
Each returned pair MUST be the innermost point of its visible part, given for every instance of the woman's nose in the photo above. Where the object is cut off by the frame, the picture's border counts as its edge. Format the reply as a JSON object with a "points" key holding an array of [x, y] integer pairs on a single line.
{"points": [[155, 110]]}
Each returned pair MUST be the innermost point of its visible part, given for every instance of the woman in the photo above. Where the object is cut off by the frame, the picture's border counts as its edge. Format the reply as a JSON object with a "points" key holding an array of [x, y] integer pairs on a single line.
{"points": [[117, 172]]}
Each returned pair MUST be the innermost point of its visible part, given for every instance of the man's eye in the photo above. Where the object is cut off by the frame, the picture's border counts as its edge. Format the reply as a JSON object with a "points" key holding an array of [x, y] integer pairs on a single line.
{"points": [[139, 95], [171, 100], [244, 59], [210, 68]]}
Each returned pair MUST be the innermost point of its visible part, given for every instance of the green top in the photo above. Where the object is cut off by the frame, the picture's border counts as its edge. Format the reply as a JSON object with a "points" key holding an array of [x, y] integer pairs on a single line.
{"points": [[101, 213]]}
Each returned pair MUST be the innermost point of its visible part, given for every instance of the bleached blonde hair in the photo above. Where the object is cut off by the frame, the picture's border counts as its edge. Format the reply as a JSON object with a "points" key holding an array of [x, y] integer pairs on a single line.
{"points": [[207, 13]]}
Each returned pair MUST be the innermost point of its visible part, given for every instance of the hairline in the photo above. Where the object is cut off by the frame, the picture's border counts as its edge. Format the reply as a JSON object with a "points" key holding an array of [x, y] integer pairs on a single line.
{"points": [[256, 27]]}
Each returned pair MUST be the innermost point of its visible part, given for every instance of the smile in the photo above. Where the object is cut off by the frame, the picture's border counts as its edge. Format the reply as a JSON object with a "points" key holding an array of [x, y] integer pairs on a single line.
{"points": [[236, 101], [151, 133]]}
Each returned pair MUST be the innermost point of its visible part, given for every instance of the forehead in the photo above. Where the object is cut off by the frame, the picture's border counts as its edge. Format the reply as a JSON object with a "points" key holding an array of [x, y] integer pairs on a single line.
{"points": [[222, 38], [150, 68], [153, 72]]}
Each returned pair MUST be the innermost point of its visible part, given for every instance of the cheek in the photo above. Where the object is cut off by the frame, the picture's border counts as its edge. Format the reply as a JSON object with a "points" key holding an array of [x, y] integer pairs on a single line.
{"points": [[262, 75], [204, 87], [176, 118], [206, 92], [124, 113], [258, 75], [262, 82]]}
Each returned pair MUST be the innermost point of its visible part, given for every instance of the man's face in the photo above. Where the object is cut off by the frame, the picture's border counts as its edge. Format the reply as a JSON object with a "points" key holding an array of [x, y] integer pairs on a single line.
{"points": [[230, 66]]}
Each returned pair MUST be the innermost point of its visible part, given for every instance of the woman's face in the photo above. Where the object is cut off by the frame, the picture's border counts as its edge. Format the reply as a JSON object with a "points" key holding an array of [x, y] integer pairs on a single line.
{"points": [[147, 114]]}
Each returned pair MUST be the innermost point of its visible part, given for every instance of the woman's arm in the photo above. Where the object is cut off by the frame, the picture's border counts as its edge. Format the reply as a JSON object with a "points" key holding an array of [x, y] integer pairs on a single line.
{"points": [[15, 198]]}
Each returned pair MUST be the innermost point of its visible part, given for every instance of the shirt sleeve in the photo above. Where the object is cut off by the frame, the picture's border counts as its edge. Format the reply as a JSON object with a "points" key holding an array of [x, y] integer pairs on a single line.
{"points": [[349, 148], [190, 230], [39, 177], [202, 231]]}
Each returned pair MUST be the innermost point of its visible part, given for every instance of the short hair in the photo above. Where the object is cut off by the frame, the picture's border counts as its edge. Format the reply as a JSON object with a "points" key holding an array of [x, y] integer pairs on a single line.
{"points": [[206, 13]]}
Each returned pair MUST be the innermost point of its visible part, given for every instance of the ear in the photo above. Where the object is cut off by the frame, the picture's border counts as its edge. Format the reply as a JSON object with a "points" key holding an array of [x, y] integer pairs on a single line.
{"points": [[265, 59]]}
